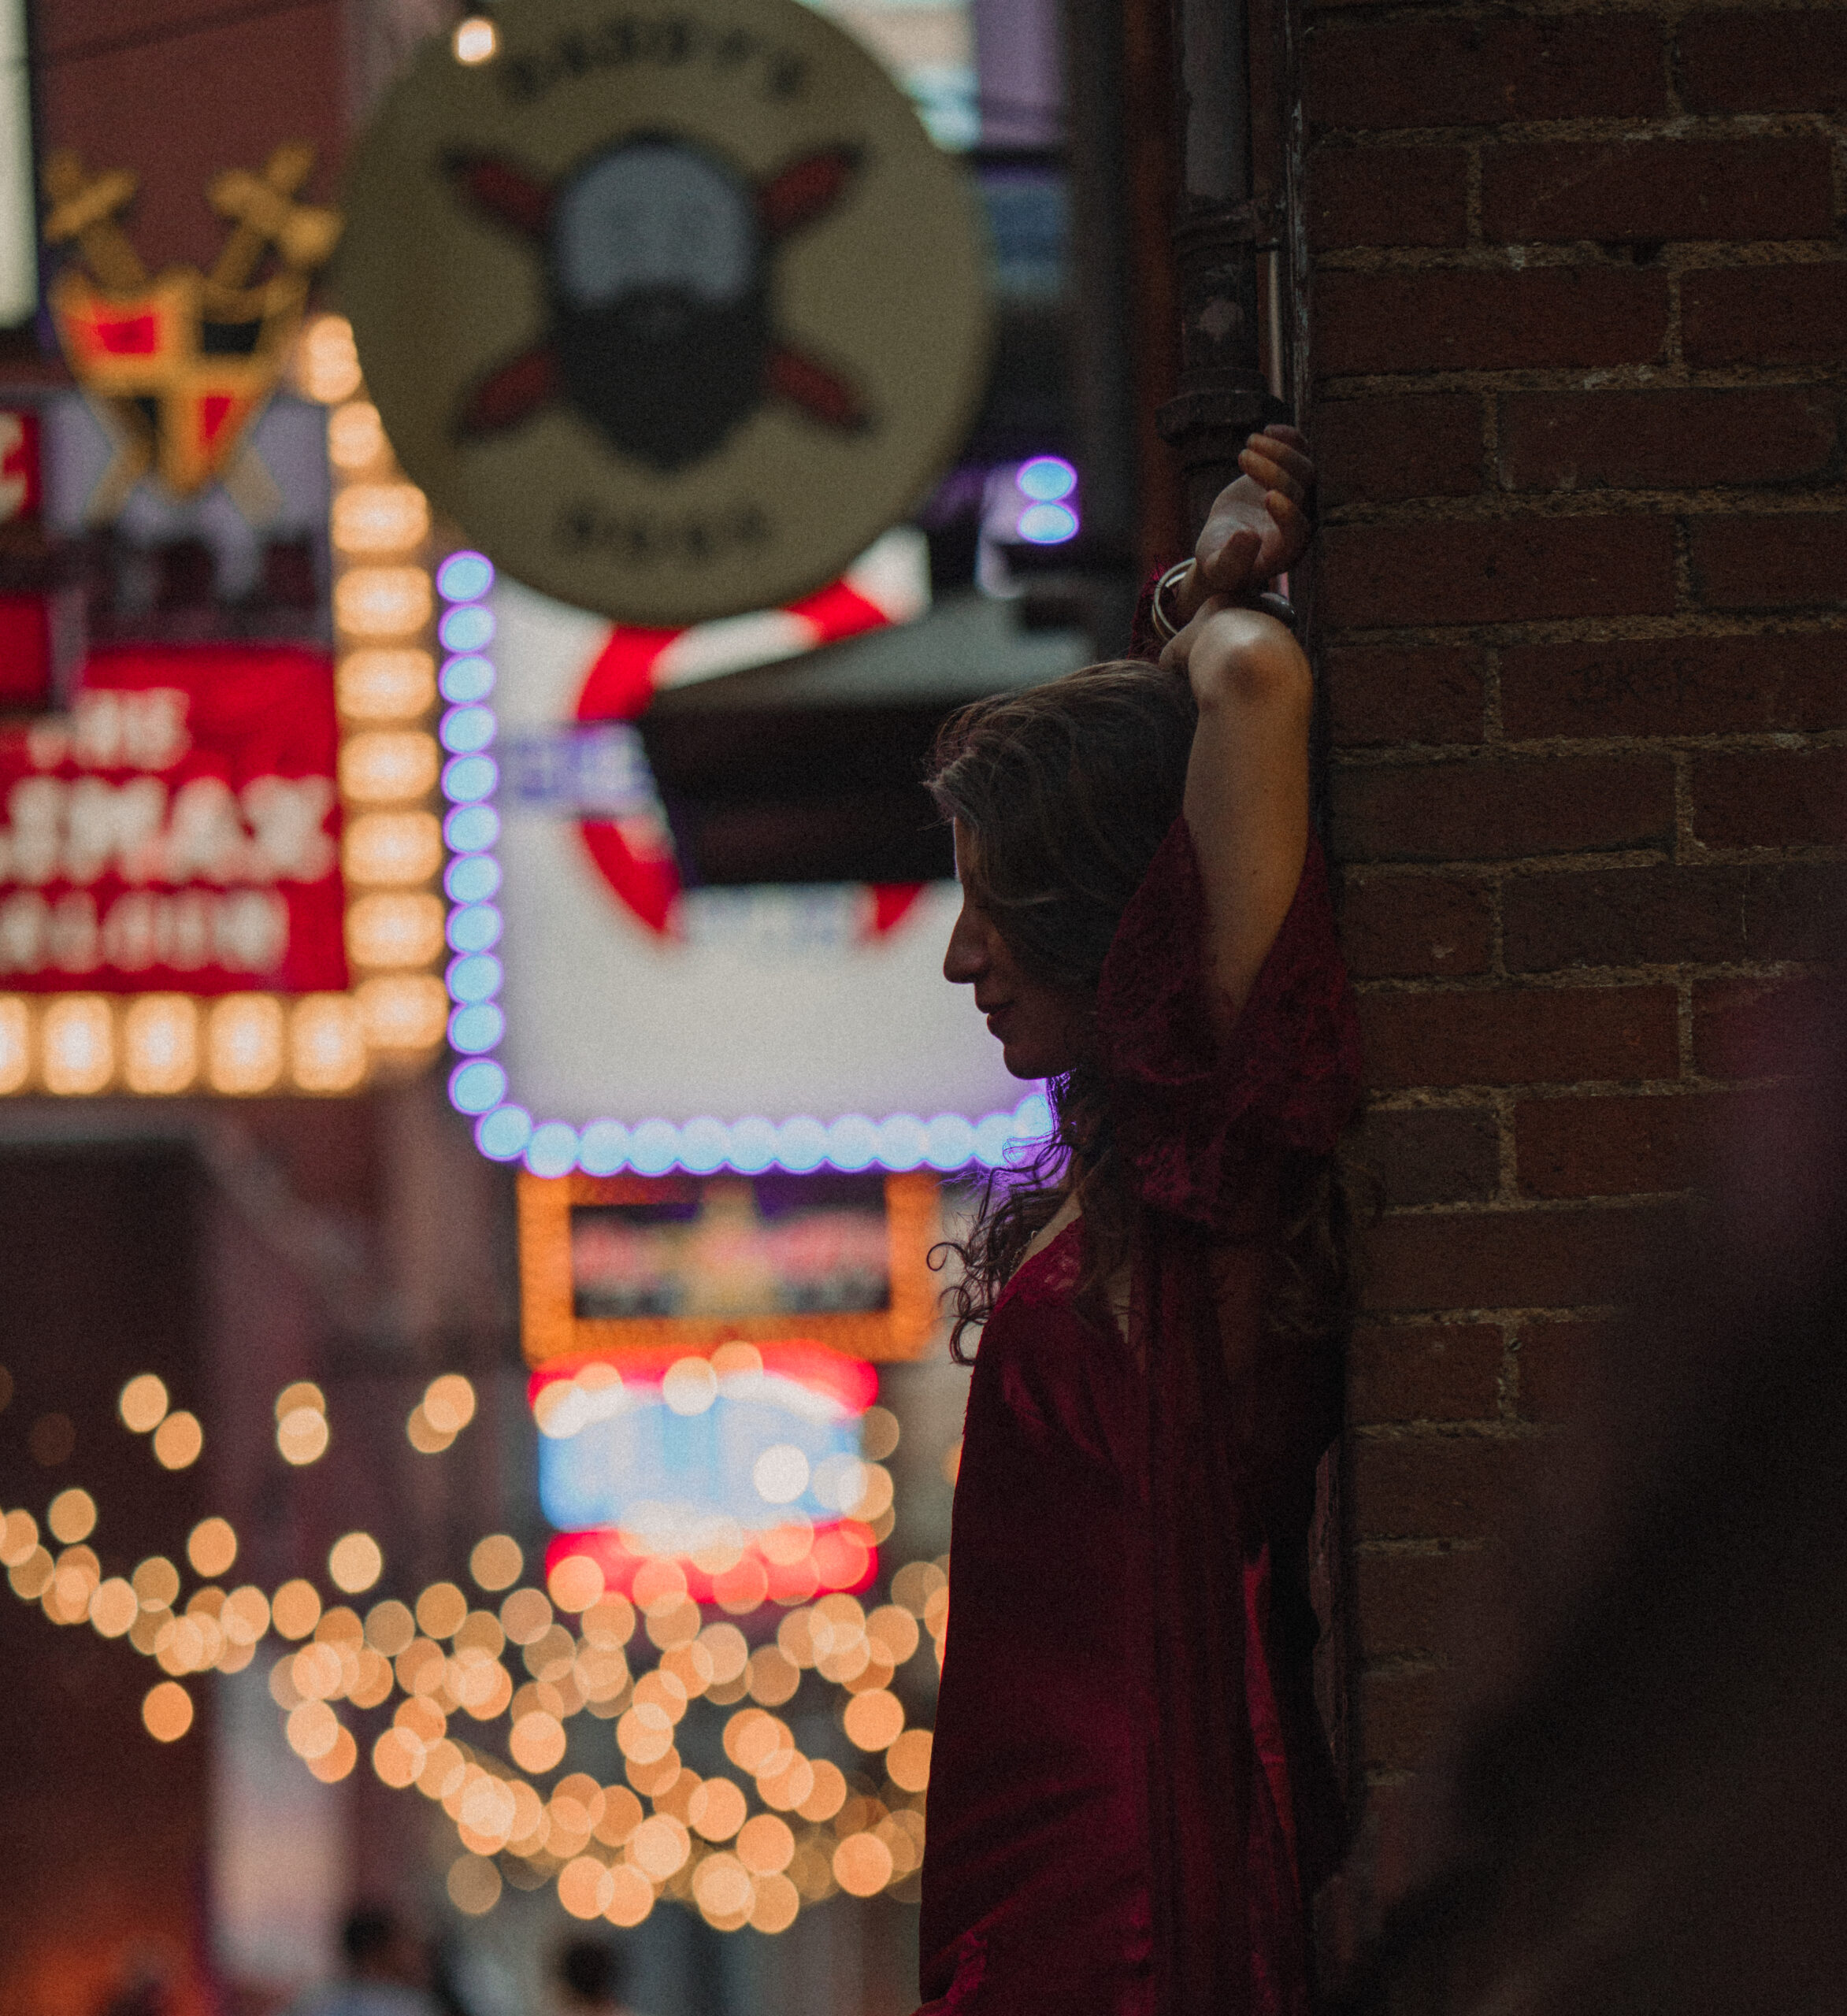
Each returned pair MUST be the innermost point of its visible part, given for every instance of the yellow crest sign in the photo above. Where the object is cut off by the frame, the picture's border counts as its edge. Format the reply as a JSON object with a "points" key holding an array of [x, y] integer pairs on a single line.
{"points": [[674, 311], [182, 363]]}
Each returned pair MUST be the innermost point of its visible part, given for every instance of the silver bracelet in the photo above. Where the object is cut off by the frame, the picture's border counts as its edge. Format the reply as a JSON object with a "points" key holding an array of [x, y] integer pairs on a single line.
{"points": [[1165, 626]]}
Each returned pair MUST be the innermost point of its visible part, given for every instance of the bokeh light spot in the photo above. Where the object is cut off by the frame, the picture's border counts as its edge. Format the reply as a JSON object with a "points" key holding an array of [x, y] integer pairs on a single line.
{"points": [[143, 1403], [211, 1547], [167, 1710]]}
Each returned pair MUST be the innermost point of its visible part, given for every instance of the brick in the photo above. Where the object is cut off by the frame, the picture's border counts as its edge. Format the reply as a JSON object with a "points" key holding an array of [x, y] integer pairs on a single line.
{"points": [[1635, 191], [1426, 73], [1442, 1487], [1430, 1155], [1771, 798], [1562, 1368], [1449, 320], [1496, 570], [1555, 1257], [1542, 1035], [1379, 451], [1423, 1372], [1388, 196], [1404, 1718], [1744, 1029], [1765, 315], [1415, 927], [1613, 1146], [1795, 560], [1504, 809], [1421, 1605], [1792, 61], [1672, 916], [1675, 686], [1431, 693], [1640, 440]]}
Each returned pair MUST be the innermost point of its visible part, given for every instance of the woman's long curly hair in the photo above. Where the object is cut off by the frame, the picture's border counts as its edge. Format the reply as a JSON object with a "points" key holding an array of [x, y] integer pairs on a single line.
{"points": [[1064, 793]]}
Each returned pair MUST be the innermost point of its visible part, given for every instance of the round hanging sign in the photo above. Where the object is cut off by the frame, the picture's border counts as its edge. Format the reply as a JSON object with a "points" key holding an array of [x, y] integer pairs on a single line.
{"points": [[673, 309]]}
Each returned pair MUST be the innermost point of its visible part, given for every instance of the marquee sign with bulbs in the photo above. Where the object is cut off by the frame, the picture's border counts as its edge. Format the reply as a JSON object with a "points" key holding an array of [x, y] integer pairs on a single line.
{"points": [[219, 866]]}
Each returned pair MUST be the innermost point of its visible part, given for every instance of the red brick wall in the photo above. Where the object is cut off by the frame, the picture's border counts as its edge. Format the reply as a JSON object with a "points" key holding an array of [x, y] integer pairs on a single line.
{"points": [[1576, 331]]}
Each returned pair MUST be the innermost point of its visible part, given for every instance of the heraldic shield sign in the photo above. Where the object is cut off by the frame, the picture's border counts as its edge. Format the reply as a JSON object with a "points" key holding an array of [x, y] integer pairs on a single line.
{"points": [[673, 309]]}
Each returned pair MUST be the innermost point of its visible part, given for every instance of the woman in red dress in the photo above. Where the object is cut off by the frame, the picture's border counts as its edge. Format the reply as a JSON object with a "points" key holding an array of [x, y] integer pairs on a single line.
{"points": [[1130, 1797]]}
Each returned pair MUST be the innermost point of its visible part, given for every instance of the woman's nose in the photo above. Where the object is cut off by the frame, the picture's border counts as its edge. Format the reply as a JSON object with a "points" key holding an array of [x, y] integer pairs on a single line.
{"points": [[966, 954]]}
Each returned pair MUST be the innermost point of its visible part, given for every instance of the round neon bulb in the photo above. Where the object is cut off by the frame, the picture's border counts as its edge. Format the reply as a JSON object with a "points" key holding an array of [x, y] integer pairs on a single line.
{"points": [[471, 878], [466, 779], [464, 680], [478, 1086], [466, 627], [1048, 524], [467, 576], [477, 1028], [502, 1135], [471, 826], [552, 1149], [466, 731], [1046, 479], [476, 977]]}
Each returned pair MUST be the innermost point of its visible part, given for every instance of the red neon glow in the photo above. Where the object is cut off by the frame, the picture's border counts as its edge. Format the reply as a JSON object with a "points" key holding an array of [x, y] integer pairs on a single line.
{"points": [[851, 1381], [214, 410], [844, 1556]]}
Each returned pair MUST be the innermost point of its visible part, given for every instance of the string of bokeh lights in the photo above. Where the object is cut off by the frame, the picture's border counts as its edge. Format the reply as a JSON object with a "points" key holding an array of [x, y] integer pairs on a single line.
{"points": [[479, 1088], [612, 1849]]}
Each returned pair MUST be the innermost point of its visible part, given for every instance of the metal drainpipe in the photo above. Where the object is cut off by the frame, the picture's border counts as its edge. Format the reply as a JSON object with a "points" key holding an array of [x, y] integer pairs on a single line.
{"points": [[1223, 395]]}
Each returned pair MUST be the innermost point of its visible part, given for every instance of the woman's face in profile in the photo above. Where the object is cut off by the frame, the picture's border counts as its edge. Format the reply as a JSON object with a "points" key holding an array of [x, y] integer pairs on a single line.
{"points": [[1042, 1030]]}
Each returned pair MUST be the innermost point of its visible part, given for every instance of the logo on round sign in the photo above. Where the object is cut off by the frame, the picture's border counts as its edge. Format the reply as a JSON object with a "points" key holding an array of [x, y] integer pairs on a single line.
{"points": [[674, 312]]}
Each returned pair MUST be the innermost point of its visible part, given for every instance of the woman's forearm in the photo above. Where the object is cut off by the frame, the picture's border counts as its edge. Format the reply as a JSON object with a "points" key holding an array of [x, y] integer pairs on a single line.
{"points": [[1247, 787]]}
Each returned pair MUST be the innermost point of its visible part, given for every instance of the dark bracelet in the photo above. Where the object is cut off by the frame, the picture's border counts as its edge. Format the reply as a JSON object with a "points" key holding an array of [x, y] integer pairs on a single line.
{"points": [[1280, 607]]}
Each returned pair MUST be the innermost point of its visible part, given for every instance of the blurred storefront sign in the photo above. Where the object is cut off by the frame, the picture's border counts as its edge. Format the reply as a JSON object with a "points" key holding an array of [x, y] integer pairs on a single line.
{"points": [[674, 315]]}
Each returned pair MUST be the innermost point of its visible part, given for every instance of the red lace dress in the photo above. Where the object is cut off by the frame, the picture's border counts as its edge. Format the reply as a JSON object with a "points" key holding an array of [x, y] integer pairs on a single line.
{"points": [[1130, 1796]]}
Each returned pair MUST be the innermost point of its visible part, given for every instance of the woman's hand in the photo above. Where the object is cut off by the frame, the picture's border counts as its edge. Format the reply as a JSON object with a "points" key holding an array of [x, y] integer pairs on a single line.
{"points": [[1258, 527]]}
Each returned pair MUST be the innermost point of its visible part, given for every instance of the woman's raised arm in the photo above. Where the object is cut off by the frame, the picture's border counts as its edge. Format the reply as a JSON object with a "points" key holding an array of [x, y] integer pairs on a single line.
{"points": [[1247, 785]]}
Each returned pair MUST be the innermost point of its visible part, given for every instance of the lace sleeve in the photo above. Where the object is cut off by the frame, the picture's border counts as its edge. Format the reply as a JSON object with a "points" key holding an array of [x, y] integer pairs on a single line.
{"points": [[1193, 1113]]}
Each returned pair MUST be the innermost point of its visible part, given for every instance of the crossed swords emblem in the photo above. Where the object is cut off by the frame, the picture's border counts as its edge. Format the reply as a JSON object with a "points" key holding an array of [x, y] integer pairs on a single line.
{"points": [[178, 364]]}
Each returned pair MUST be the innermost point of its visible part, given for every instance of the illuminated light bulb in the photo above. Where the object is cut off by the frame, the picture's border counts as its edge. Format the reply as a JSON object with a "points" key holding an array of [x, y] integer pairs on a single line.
{"points": [[211, 1547], [774, 1677], [473, 1885], [778, 1903], [393, 848], [143, 1403], [114, 1607], [390, 1627], [338, 1761], [875, 1500], [659, 1847], [326, 1043], [178, 1441], [301, 1436], [160, 1043], [327, 362], [246, 1615], [765, 1845], [633, 1898], [526, 1616], [722, 1888], [300, 1393], [313, 1729], [382, 602], [465, 577], [396, 1757], [379, 517], [244, 1043], [780, 1474], [423, 1434], [156, 1582], [355, 1562], [862, 1865], [575, 1583], [386, 683], [296, 1609], [449, 1406], [537, 1741], [828, 1794], [167, 1711], [405, 1012], [716, 1810], [585, 1887], [19, 1536], [689, 1385], [355, 435], [16, 1041], [878, 1432], [441, 1610], [496, 1561], [875, 1719], [395, 930], [475, 39], [1046, 479], [385, 764], [79, 1043], [907, 1763]]}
